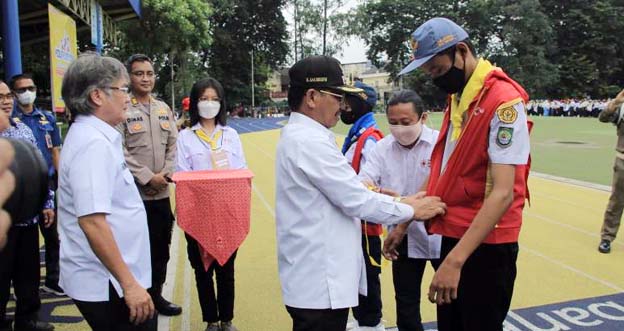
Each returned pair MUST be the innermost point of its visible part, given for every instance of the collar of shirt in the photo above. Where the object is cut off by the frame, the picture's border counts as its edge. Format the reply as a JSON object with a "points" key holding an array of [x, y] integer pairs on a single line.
{"points": [[108, 131], [17, 111], [308, 122], [198, 127], [134, 102]]}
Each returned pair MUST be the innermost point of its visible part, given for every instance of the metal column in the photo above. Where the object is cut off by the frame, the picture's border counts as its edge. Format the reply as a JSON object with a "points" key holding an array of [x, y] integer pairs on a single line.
{"points": [[11, 38]]}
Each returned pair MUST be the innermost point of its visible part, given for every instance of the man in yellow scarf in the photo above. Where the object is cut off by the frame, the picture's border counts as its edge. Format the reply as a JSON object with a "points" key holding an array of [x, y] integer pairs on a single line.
{"points": [[479, 168]]}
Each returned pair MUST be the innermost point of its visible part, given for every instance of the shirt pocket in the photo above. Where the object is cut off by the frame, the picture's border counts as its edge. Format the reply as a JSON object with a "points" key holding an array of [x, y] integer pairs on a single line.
{"points": [[136, 134], [234, 155], [47, 128], [200, 160], [165, 131]]}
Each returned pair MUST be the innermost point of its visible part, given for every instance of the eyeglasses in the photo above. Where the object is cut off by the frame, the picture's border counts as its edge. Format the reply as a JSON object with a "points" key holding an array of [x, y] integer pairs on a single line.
{"points": [[6, 97], [24, 89], [340, 98], [123, 89], [149, 74]]}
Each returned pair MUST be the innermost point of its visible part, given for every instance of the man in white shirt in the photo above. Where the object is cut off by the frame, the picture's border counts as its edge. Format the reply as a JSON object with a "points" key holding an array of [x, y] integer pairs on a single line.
{"points": [[401, 162], [320, 201], [105, 256]]}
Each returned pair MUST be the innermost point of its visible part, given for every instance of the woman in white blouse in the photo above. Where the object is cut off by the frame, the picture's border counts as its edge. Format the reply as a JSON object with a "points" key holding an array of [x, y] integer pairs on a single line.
{"points": [[210, 144]]}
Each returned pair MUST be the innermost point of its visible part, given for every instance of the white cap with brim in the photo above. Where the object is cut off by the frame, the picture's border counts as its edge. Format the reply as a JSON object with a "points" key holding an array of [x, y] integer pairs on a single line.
{"points": [[431, 38]]}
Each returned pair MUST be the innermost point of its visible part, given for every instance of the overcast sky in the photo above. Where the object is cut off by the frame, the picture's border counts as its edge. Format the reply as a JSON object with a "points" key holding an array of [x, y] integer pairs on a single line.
{"points": [[354, 51]]}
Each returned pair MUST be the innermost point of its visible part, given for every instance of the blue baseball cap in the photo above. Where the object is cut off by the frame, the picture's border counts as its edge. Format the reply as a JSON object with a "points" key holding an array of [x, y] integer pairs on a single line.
{"points": [[431, 38], [369, 95]]}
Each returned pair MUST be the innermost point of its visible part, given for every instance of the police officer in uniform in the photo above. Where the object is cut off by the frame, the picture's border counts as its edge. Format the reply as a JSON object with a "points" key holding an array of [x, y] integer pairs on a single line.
{"points": [[149, 139], [43, 125], [613, 113]]}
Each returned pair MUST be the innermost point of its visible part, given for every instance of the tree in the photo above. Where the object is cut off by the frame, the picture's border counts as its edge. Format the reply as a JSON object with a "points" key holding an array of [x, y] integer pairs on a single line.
{"points": [[172, 33], [588, 52], [521, 44], [241, 26], [319, 27], [516, 35]]}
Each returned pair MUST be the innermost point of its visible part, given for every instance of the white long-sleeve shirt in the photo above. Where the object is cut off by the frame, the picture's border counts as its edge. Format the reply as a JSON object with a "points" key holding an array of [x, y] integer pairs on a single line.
{"points": [[195, 154], [319, 204], [392, 166]]}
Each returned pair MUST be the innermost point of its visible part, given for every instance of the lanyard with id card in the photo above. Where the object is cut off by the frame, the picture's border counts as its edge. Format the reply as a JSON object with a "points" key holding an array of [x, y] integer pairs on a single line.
{"points": [[218, 156]]}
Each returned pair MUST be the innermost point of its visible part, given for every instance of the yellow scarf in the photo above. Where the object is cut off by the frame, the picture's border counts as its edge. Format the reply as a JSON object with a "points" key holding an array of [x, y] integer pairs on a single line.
{"points": [[212, 141], [472, 88]]}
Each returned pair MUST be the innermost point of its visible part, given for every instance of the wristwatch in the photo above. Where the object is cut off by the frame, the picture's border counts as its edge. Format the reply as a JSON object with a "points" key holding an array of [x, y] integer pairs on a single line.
{"points": [[398, 199]]}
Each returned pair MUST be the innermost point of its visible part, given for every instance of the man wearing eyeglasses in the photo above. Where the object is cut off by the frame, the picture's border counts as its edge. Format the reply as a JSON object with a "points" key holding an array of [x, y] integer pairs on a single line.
{"points": [[48, 137], [320, 202], [149, 138]]}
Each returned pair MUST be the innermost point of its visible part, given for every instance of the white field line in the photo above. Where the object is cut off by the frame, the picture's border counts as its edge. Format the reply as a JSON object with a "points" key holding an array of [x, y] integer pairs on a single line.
{"points": [[570, 268], [170, 281]]}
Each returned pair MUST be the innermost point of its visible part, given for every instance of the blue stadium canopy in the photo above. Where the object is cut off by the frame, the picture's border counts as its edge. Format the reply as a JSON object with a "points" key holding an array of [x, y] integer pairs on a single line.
{"points": [[25, 23]]}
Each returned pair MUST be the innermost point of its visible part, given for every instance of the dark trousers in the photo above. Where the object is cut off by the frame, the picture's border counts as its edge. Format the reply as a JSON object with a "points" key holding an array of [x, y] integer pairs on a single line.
{"points": [[318, 319], [52, 246], [112, 315], [51, 242], [160, 224], [407, 274], [485, 288], [219, 307], [19, 264], [368, 311]]}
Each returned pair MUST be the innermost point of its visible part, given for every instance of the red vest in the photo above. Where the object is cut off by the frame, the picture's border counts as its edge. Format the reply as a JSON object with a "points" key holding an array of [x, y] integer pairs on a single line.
{"points": [[371, 229], [462, 186]]}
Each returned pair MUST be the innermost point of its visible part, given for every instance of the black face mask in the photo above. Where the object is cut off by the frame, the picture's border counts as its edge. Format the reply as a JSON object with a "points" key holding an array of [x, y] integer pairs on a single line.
{"points": [[453, 80], [358, 109]]}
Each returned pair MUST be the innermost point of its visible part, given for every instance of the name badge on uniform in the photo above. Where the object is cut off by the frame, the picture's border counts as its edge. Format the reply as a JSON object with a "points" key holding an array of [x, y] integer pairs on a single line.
{"points": [[48, 139], [219, 159]]}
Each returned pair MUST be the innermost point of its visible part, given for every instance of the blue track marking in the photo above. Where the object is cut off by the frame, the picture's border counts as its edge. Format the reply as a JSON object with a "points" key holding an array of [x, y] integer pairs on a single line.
{"points": [[247, 125]]}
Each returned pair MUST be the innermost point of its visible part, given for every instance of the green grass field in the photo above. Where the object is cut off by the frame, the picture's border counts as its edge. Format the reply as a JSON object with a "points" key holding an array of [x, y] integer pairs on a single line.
{"points": [[577, 148]]}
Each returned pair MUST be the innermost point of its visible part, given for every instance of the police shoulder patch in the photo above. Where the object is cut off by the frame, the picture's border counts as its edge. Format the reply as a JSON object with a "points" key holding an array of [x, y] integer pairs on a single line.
{"points": [[504, 136]]}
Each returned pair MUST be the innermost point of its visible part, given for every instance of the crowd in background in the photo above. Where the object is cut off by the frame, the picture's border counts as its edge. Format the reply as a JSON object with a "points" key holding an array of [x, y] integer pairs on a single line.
{"points": [[567, 107]]}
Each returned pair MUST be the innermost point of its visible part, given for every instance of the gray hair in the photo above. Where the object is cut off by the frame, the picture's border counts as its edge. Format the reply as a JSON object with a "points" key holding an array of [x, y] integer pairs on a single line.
{"points": [[87, 73]]}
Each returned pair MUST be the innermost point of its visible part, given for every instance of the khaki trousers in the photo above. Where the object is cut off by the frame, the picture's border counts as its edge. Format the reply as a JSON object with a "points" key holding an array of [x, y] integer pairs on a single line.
{"points": [[613, 214]]}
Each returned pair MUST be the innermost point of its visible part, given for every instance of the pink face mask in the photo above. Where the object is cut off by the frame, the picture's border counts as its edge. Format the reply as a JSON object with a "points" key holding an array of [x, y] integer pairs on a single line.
{"points": [[406, 134]]}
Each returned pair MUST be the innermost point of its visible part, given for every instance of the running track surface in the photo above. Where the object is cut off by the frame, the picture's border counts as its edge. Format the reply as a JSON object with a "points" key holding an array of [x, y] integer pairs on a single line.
{"points": [[563, 283]]}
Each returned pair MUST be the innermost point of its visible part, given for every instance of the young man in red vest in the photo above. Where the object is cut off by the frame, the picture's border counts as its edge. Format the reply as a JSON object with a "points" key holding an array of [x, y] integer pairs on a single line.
{"points": [[479, 168], [361, 139]]}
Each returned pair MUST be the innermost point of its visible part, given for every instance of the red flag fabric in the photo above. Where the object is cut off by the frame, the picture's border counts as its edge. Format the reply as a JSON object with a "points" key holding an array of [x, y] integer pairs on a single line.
{"points": [[213, 207]]}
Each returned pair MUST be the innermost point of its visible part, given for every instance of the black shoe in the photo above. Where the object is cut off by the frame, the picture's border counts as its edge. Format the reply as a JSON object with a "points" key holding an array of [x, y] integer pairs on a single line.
{"points": [[6, 325], [167, 308], [605, 246], [53, 289], [31, 325]]}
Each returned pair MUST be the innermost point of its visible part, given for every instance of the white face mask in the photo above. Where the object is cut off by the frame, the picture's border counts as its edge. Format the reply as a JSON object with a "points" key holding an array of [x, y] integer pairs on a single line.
{"points": [[26, 98], [208, 109], [406, 134]]}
